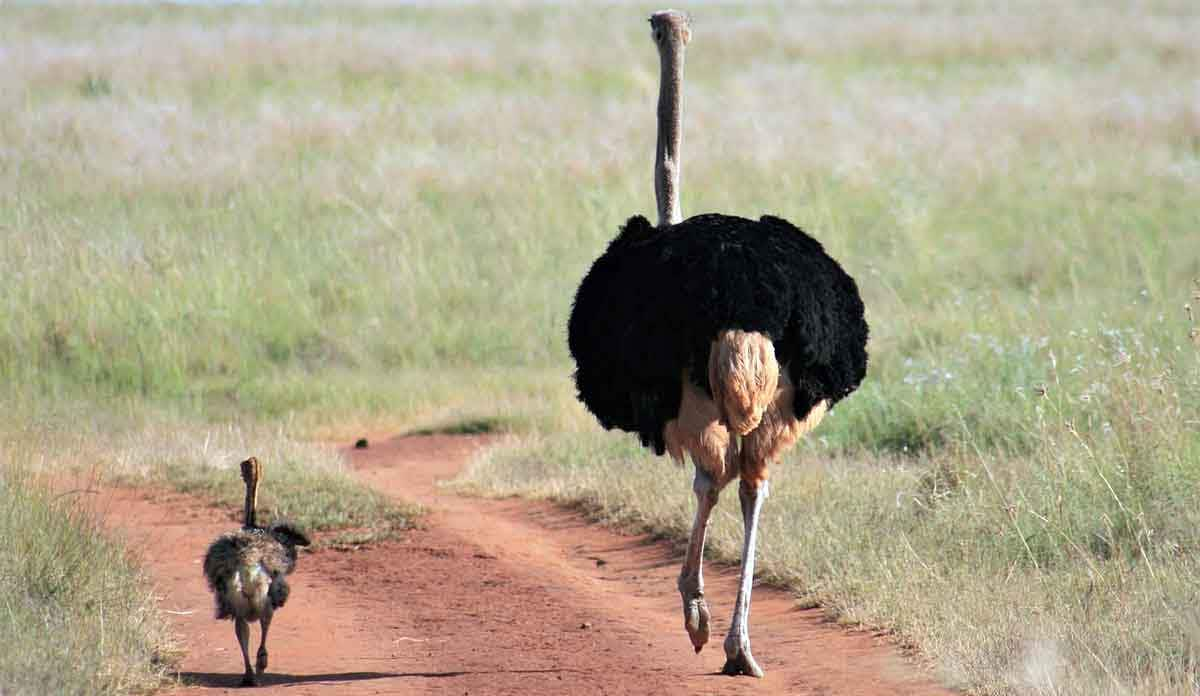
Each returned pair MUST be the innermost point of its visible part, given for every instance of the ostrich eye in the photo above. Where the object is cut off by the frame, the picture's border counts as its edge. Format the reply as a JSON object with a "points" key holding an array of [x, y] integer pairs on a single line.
{"points": [[658, 35]]}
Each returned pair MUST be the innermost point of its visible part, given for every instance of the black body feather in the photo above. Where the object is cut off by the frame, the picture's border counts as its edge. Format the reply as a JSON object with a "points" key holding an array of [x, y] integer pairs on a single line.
{"points": [[652, 304]]}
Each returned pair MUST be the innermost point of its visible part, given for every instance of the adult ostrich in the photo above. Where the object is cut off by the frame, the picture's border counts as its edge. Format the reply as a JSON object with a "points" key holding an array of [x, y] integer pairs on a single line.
{"points": [[718, 336], [247, 572]]}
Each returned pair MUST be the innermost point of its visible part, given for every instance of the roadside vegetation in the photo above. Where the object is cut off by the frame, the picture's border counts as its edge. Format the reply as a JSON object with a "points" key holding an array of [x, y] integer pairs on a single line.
{"points": [[244, 229], [79, 616]]}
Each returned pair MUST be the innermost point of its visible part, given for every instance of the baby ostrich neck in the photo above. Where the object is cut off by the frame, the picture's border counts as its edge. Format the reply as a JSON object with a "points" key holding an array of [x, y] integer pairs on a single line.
{"points": [[249, 520], [666, 158]]}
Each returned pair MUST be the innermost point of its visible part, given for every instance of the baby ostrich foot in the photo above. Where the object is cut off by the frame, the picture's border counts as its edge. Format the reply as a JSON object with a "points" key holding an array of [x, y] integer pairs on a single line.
{"points": [[260, 665], [695, 620], [249, 679], [738, 659]]}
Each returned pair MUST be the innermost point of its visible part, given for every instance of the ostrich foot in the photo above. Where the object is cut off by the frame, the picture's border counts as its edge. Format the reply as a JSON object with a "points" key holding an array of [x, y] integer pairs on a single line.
{"points": [[260, 665], [738, 660], [249, 679], [695, 620]]}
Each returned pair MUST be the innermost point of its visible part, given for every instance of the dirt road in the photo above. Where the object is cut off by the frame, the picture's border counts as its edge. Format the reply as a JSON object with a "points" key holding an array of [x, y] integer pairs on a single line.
{"points": [[489, 597]]}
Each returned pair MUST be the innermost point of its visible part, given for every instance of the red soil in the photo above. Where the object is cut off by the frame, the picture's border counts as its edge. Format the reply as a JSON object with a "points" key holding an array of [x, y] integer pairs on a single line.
{"points": [[489, 597]]}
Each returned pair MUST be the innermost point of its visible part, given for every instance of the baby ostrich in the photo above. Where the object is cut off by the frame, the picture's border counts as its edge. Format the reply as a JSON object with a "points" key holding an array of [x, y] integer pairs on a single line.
{"points": [[718, 336], [247, 572]]}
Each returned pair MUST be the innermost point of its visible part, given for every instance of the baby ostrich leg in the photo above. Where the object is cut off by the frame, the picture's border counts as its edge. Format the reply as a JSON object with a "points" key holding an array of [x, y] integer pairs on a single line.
{"points": [[242, 628], [260, 664]]}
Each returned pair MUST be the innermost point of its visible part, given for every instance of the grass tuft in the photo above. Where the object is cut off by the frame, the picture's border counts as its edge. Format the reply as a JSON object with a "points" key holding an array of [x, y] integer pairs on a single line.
{"points": [[305, 482], [94, 86], [79, 616], [470, 426]]}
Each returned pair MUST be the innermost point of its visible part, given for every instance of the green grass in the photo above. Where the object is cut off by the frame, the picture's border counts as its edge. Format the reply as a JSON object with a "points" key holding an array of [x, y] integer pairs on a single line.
{"points": [[129, 445], [78, 616], [302, 482], [1061, 561], [303, 222]]}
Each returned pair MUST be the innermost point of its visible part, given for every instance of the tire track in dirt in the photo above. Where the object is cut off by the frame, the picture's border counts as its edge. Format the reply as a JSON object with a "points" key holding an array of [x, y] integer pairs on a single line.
{"points": [[488, 597]]}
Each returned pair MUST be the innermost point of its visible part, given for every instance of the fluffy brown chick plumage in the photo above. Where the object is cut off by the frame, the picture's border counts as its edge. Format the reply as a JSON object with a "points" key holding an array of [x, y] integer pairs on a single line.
{"points": [[247, 571]]}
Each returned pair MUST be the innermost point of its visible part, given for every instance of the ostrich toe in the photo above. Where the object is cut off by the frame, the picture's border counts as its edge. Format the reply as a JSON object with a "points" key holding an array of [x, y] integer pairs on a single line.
{"points": [[695, 620], [743, 663], [738, 659]]}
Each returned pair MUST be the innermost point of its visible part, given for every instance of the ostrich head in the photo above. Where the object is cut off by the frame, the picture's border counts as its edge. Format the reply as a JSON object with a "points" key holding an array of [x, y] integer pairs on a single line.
{"points": [[671, 31], [251, 474], [670, 25]]}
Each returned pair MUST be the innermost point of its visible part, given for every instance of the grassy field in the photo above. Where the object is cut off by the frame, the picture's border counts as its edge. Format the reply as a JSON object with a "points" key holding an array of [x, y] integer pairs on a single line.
{"points": [[252, 226]]}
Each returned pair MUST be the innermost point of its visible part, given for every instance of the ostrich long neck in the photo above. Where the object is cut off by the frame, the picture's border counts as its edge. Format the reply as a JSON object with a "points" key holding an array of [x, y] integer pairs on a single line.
{"points": [[670, 132], [249, 520]]}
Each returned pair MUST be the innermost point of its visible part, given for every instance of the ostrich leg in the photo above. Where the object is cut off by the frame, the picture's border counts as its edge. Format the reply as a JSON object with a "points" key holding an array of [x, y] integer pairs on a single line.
{"points": [[691, 577], [242, 628], [261, 664], [752, 492]]}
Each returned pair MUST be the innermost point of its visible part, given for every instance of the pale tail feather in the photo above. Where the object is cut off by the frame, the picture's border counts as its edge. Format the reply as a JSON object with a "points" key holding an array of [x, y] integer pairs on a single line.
{"points": [[247, 594], [743, 374]]}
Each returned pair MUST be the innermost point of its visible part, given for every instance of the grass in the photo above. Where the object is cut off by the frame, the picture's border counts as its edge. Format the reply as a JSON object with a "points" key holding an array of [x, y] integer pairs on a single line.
{"points": [[306, 482], [303, 482], [1063, 562], [301, 222], [79, 616]]}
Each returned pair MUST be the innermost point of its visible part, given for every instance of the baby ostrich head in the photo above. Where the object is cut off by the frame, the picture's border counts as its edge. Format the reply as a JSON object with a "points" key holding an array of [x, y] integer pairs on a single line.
{"points": [[251, 474], [671, 25], [671, 31]]}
